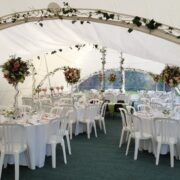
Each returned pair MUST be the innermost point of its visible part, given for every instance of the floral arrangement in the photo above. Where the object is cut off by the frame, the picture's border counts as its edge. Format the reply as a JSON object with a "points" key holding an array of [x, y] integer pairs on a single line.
{"points": [[112, 77], [38, 90], [61, 87], [171, 75], [100, 76], [58, 88], [51, 89], [166, 112], [15, 70], [156, 77], [72, 75], [7, 112]]}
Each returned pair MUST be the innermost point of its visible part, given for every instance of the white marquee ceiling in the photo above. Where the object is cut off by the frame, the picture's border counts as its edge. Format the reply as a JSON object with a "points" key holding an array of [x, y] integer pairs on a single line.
{"points": [[142, 51]]}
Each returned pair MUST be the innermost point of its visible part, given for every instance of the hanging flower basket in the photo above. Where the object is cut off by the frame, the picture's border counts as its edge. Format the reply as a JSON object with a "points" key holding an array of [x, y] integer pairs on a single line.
{"points": [[15, 71], [112, 77], [72, 75], [171, 75]]}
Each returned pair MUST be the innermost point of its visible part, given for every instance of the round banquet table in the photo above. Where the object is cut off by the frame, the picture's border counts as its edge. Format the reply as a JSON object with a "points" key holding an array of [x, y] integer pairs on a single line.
{"points": [[36, 133], [148, 126]]}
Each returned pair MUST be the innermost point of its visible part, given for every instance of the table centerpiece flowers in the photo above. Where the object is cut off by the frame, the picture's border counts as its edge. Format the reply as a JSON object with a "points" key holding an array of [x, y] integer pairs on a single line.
{"points": [[15, 71]]}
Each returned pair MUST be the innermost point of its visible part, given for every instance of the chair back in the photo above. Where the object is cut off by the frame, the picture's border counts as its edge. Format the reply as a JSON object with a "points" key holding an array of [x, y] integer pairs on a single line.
{"points": [[121, 97], [166, 129], [94, 101], [53, 128], [103, 110], [109, 96], [28, 101], [56, 110], [131, 109], [144, 100], [155, 100], [129, 122], [123, 113], [176, 110], [144, 108], [90, 112], [25, 109], [64, 121], [66, 100], [72, 115], [13, 135], [67, 107], [138, 125], [156, 106]]}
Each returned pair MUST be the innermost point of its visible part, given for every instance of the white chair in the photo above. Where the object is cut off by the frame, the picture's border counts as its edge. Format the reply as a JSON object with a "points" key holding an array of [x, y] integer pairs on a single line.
{"points": [[101, 117], [156, 100], [56, 110], [138, 133], [25, 109], [28, 101], [55, 137], [94, 101], [64, 129], [131, 109], [89, 118], [145, 100], [144, 108], [13, 142], [72, 119], [61, 111], [121, 97], [109, 97], [156, 106], [166, 132], [66, 100], [176, 110], [125, 125]]}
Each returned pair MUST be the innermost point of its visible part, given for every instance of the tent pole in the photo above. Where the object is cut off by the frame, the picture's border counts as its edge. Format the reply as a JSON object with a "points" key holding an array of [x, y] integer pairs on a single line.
{"points": [[103, 51], [122, 74]]}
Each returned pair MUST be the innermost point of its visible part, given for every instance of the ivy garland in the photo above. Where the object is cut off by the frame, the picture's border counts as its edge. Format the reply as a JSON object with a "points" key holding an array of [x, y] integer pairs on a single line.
{"points": [[79, 14], [77, 47], [150, 24]]}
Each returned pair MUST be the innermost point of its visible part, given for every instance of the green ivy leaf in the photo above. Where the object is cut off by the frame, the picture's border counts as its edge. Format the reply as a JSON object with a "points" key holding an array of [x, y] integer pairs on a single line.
{"points": [[41, 24], [130, 30], [73, 22], [137, 21]]}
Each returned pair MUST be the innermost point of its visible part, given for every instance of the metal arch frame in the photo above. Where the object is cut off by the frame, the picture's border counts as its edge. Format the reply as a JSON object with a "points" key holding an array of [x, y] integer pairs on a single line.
{"points": [[121, 20]]}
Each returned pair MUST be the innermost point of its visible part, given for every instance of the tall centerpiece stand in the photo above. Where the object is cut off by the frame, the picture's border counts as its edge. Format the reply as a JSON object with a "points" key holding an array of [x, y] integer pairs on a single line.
{"points": [[15, 71]]}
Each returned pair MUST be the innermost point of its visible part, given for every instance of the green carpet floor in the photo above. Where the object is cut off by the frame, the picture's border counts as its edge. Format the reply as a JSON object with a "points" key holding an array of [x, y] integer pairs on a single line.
{"points": [[100, 159]]}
